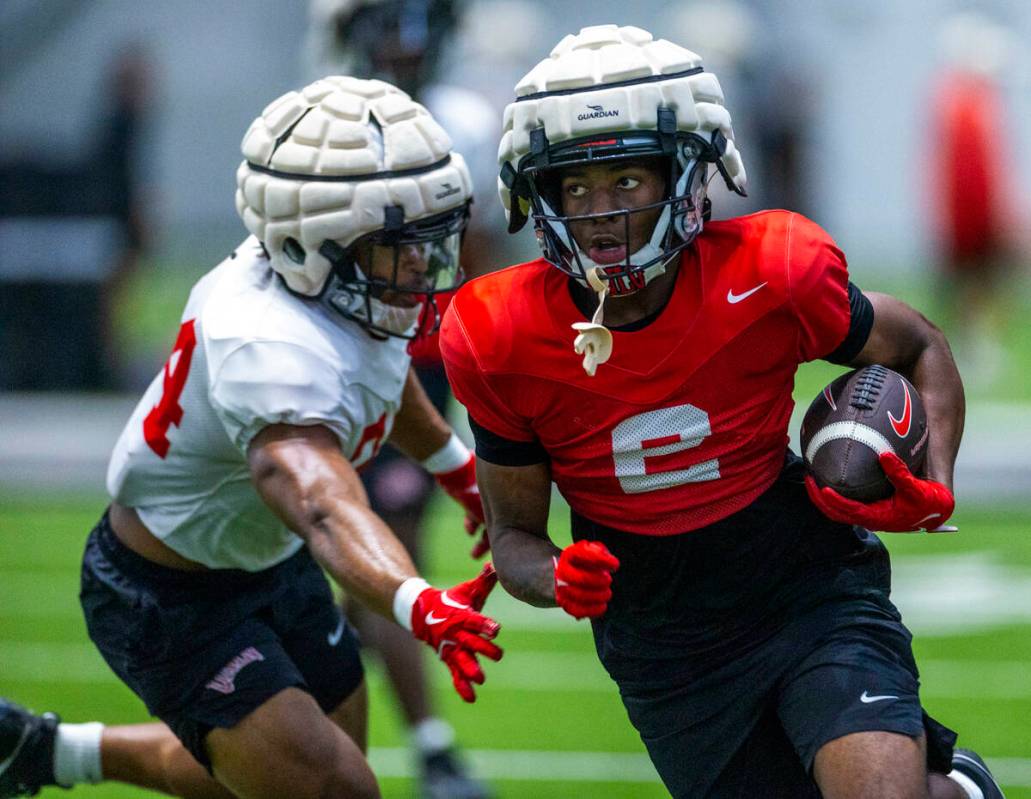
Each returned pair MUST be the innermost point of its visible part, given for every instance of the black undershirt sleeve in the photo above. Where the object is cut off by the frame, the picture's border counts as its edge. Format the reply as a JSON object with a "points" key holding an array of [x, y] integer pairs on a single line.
{"points": [[859, 326], [504, 451]]}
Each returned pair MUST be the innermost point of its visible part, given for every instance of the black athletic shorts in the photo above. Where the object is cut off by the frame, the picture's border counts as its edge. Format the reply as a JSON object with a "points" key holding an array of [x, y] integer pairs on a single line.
{"points": [[741, 649], [205, 649]]}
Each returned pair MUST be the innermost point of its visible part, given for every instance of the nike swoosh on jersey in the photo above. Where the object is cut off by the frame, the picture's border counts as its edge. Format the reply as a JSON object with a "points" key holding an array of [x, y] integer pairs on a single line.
{"points": [[431, 619], [334, 637], [901, 426], [733, 298], [453, 603], [867, 699]]}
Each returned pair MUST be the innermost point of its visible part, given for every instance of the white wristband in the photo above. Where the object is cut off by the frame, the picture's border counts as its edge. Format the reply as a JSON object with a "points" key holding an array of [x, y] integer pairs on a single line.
{"points": [[405, 598], [453, 455]]}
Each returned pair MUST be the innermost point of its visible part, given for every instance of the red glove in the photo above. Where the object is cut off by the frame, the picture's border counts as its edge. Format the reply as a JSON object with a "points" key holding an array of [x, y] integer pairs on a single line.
{"points": [[583, 579], [450, 622], [916, 504], [461, 485]]}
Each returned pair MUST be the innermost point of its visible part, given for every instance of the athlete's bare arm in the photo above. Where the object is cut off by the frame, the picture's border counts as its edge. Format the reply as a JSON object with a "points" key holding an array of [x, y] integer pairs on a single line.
{"points": [[419, 429], [903, 340], [516, 500], [302, 475]]}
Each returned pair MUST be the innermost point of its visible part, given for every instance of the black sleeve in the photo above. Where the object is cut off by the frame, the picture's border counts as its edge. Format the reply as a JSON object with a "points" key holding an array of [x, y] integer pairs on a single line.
{"points": [[859, 326], [504, 451]]}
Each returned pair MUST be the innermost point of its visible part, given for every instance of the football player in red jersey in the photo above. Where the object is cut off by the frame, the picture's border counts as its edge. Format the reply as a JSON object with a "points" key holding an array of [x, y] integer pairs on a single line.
{"points": [[645, 365]]}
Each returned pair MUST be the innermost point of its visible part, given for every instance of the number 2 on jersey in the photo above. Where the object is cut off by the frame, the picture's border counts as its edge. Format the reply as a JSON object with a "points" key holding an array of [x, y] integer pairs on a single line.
{"points": [[168, 411], [648, 449]]}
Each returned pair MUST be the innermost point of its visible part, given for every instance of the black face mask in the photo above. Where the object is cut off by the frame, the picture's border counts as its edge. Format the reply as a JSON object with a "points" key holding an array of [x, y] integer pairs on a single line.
{"points": [[435, 242]]}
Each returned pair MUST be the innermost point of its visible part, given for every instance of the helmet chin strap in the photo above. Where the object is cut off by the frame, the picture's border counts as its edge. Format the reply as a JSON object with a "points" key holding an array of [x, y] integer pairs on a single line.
{"points": [[594, 340]]}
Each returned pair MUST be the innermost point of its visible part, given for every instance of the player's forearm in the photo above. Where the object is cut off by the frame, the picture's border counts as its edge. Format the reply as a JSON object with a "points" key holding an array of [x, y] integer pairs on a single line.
{"points": [[419, 429], [305, 480], [525, 565], [358, 551], [935, 376]]}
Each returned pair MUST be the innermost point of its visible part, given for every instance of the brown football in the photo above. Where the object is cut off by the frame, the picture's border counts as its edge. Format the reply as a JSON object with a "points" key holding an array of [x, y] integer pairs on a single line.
{"points": [[858, 416]]}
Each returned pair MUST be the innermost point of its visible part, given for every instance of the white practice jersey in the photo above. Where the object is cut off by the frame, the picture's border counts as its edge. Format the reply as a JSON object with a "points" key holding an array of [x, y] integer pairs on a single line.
{"points": [[249, 354]]}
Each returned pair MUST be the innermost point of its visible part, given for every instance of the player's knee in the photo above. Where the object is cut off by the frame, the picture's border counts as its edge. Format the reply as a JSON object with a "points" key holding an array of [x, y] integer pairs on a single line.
{"points": [[356, 784], [332, 773], [880, 787]]}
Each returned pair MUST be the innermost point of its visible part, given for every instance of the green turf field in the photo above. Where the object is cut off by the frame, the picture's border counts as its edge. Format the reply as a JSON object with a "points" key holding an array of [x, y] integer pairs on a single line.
{"points": [[548, 723]]}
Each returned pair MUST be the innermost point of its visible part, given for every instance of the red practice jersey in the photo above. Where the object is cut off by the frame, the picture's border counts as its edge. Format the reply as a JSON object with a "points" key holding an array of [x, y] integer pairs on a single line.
{"points": [[687, 422]]}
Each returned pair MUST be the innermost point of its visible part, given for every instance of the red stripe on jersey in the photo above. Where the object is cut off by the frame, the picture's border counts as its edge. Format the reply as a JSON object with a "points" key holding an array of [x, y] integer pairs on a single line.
{"points": [[660, 442]]}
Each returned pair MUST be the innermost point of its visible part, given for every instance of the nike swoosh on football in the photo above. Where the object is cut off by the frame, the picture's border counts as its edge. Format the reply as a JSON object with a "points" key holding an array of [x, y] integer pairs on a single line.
{"points": [[901, 426], [867, 699], [334, 637], [733, 298], [452, 602], [431, 619]]}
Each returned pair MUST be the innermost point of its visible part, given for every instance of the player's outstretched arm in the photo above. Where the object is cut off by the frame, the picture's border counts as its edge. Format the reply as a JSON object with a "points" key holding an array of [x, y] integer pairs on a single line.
{"points": [[303, 476], [577, 578], [422, 434]]}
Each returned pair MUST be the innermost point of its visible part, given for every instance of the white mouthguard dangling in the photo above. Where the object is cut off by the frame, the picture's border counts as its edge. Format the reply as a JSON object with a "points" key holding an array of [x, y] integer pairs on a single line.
{"points": [[594, 340]]}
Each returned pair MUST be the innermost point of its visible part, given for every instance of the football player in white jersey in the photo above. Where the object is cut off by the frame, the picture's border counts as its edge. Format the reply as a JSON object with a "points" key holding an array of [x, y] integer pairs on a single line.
{"points": [[234, 484], [402, 41]]}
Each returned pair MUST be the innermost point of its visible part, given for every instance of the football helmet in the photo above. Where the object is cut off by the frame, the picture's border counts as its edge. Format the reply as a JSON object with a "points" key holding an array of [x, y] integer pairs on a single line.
{"points": [[345, 166], [605, 94], [399, 41]]}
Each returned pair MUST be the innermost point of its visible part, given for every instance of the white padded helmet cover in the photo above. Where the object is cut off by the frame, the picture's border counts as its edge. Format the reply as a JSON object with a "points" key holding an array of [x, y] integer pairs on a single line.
{"points": [[341, 127], [607, 54]]}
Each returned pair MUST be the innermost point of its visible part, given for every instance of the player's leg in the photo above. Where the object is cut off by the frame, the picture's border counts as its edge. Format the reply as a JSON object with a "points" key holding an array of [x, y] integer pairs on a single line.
{"points": [[204, 653], [288, 747], [37, 751], [876, 765], [851, 707], [843, 769], [352, 716], [150, 756]]}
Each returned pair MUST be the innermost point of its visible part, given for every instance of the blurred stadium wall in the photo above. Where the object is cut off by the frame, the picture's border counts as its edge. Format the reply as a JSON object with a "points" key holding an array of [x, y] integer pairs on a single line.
{"points": [[867, 66]]}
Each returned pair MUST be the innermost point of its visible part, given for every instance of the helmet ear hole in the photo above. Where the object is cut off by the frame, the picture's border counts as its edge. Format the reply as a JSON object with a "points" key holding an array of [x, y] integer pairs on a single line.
{"points": [[293, 250]]}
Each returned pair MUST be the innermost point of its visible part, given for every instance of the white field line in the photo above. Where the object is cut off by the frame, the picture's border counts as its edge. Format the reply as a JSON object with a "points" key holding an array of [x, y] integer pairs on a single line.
{"points": [[532, 765], [528, 670], [542, 766]]}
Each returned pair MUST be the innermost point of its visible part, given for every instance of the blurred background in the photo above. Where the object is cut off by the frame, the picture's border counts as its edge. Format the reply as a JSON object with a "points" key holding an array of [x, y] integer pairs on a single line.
{"points": [[902, 128]]}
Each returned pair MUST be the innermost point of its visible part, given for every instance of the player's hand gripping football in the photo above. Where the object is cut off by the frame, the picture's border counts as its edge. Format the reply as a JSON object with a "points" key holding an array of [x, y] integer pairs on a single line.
{"points": [[461, 485], [583, 579], [917, 504], [450, 622]]}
